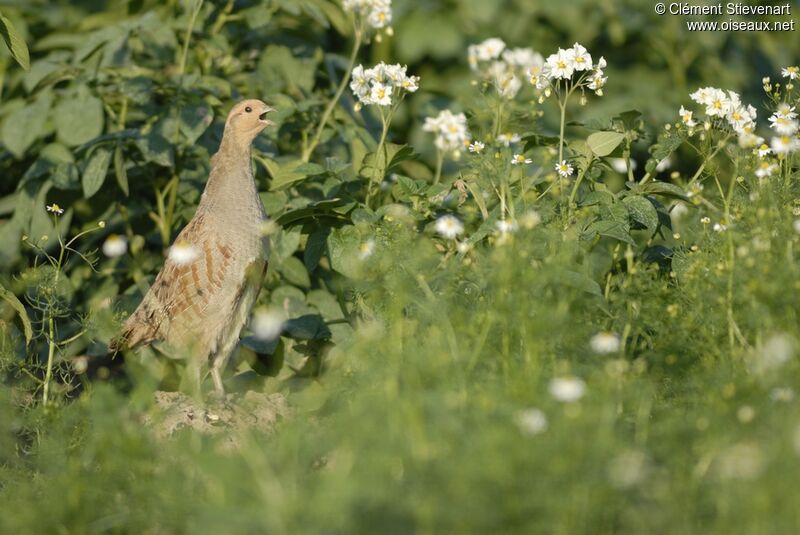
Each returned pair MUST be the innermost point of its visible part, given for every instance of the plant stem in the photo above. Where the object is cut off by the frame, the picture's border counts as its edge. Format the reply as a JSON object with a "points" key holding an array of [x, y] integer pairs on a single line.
{"points": [[50, 353], [379, 152], [309, 150], [574, 192], [439, 164], [705, 162], [188, 38]]}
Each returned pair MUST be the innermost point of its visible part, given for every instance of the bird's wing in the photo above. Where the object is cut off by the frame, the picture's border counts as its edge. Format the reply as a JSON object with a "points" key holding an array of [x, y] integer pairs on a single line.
{"points": [[182, 290]]}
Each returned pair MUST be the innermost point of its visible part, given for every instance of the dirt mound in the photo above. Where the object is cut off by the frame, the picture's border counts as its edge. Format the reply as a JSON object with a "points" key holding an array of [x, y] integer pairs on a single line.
{"points": [[237, 412]]}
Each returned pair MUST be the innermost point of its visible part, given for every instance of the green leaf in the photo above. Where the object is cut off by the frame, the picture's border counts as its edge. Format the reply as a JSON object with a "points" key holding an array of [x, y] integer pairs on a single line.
{"points": [[308, 327], [601, 197], [194, 121], [294, 271], [15, 43], [15, 303], [611, 229], [642, 211], [79, 119], [24, 126], [604, 143], [119, 170], [96, 170], [391, 153], [667, 189], [315, 248], [580, 281], [343, 246], [284, 243], [284, 175]]}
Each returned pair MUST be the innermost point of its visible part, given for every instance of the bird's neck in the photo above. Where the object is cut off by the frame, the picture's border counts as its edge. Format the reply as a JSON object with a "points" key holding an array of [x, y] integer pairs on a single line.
{"points": [[231, 191]]}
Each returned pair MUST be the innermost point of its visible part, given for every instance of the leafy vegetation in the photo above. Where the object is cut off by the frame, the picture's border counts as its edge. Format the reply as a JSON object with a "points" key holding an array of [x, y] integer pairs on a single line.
{"points": [[485, 315]]}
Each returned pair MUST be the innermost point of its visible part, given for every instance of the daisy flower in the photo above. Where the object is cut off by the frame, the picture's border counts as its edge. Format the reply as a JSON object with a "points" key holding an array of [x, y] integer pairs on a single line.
{"points": [[476, 147], [564, 168], [791, 72], [115, 246], [519, 159], [604, 343], [508, 139], [55, 209], [784, 145], [567, 389], [449, 226], [531, 421]]}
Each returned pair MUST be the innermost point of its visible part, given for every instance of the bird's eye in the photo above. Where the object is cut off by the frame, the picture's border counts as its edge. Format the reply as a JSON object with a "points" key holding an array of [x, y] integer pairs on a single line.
{"points": [[248, 109]]}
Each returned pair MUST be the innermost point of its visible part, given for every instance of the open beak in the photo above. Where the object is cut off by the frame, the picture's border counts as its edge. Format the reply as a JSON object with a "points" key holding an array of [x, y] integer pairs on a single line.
{"points": [[262, 117]]}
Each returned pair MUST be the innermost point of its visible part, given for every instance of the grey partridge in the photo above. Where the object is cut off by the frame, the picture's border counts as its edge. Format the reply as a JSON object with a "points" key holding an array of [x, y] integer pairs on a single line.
{"points": [[201, 298]]}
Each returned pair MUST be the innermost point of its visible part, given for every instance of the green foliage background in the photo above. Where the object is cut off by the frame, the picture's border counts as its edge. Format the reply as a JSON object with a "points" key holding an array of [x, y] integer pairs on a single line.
{"points": [[406, 372]]}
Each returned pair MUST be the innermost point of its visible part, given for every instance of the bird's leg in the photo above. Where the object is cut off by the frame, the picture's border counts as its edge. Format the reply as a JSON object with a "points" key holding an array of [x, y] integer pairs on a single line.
{"points": [[216, 376]]}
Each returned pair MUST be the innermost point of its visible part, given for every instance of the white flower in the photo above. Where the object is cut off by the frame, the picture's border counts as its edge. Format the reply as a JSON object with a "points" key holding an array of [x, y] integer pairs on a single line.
{"points": [[520, 159], [776, 351], [719, 227], [718, 103], [763, 150], [663, 165], [620, 166], [783, 394], [506, 227], [564, 169], [785, 111], [377, 12], [702, 96], [784, 145], [531, 421], [476, 147], [115, 246], [486, 51], [183, 253], [449, 226], [686, 117], [581, 59], [381, 95], [377, 86], [766, 169], [604, 343], [597, 81], [531, 219], [561, 65], [359, 82], [55, 209], [381, 16], [450, 130], [508, 139], [748, 140], [267, 324], [523, 58], [783, 125], [410, 83], [791, 72], [567, 389]]}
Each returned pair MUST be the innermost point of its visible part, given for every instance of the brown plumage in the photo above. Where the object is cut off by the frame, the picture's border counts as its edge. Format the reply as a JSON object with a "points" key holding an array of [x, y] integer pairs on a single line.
{"points": [[202, 296]]}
